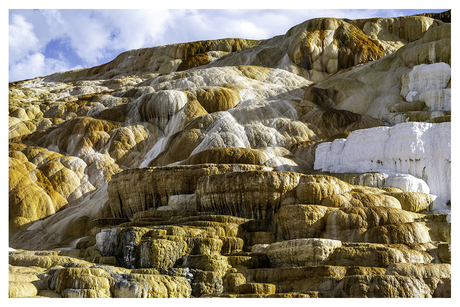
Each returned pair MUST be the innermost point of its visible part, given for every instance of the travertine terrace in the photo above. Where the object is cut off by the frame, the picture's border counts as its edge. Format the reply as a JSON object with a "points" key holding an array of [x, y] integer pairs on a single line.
{"points": [[311, 164]]}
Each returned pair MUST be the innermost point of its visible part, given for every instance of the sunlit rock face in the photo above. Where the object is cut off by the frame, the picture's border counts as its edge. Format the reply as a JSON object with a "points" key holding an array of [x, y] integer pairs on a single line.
{"points": [[419, 149], [311, 164], [299, 252], [327, 45], [41, 182], [427, 83], [380, 82], [155, 186]]}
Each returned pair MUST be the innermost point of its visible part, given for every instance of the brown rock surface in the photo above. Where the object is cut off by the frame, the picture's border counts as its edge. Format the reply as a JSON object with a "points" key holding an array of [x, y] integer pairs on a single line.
{"points": [[263, 193], [299, 252], [359, 286], [438, 270], [361, 224], [301, 221], [376, 255], [343, 45], [158, 184]]}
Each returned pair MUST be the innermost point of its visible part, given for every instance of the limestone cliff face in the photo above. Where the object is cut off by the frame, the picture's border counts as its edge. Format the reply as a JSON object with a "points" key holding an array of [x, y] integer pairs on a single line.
{"points": [[311, 164]]}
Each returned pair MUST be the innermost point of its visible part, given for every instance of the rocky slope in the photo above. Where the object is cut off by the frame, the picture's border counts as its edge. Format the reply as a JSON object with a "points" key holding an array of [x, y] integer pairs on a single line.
{"points": [[312, 164]]}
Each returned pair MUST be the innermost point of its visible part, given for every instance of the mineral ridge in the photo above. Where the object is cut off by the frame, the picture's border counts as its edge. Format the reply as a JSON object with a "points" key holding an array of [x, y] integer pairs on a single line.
{"points": [[311, 164]]}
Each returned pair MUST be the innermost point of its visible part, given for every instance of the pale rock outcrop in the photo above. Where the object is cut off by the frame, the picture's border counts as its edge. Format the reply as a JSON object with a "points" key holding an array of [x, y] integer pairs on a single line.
{"points": [[419, 149], [299, 252], [320, 47], [424, 82], [151, 286], [379, 82], [159, 60], [158, 107], [393, 33]]}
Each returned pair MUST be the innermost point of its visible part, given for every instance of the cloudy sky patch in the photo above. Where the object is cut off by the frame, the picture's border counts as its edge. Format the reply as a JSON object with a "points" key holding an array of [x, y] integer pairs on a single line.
{"points": [[44, 41]]}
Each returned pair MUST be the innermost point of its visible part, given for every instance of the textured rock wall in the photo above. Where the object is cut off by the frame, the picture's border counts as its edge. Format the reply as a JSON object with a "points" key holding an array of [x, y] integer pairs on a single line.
{"points": [[154, 186], [380, 81], [420, 149], [327, 45]]}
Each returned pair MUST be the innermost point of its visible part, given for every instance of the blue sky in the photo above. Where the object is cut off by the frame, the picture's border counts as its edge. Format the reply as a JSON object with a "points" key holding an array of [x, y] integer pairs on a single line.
{"points": [[43, 41]]}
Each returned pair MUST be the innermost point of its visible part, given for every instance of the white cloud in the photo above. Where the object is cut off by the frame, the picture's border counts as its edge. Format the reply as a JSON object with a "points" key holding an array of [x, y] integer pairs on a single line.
{"points": [[136, 28], [87, 35], [94, 35], [36, 65], [251, 30], [22, 39]]}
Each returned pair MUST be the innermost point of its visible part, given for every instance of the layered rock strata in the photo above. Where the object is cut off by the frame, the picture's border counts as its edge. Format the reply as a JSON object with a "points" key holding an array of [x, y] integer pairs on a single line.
{"points": [[311, 164]]}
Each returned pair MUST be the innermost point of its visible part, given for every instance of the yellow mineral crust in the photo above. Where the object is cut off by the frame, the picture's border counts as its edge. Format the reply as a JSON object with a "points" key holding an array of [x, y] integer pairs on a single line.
{"points": [[41, 182], [217, 99], [327, 45]]}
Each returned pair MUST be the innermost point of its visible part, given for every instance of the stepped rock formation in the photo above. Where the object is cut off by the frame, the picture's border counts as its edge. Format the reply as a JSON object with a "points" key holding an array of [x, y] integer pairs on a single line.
{"points": [[311, 164]]}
